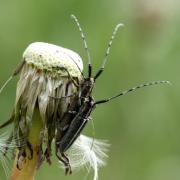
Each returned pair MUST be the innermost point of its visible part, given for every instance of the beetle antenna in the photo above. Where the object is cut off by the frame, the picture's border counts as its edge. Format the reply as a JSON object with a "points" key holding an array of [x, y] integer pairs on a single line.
{"points": [[132, 90], [108, 50], [85, 44], [78, 69]]}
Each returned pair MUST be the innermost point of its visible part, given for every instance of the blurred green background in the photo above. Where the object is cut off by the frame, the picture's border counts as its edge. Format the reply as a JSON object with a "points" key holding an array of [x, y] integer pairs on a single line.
{"points": [[143, 128]]}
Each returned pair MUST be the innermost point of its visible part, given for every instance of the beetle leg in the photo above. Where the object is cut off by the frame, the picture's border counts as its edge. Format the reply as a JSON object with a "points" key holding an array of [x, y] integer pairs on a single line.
{"points": [[40, 156], [71, 78], [30, 149], [59, 98], [65, 160], [21, 158], [68, 166], [48, 155]]}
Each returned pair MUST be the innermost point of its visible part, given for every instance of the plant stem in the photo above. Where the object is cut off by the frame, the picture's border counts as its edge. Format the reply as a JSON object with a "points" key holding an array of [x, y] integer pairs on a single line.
{"points": [[28, 166]]}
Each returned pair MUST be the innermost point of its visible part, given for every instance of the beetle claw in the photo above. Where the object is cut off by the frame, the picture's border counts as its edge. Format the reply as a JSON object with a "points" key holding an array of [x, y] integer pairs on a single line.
{"points": [[47, 156], [65, 160], [30, 149], [21, 158]]}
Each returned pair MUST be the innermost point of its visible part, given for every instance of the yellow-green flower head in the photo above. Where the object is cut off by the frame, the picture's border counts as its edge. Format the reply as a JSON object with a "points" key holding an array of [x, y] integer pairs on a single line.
{"points": [[52, 58]]}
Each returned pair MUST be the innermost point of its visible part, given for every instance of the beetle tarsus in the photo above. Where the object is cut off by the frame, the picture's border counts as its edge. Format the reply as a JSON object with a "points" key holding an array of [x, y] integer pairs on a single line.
{"points": [[47, 155], [65, 160], [30, 149], [21, 157]]}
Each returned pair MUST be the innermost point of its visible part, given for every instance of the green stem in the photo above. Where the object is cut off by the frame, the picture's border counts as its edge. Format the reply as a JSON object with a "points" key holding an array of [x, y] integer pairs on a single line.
{"points": [[28, 170]]}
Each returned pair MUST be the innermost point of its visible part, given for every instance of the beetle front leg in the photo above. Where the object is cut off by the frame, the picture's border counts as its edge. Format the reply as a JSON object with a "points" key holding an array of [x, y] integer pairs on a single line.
{"points": [[68, 169], [65, 160], [21, 158], [47, 153], [29, 145]]}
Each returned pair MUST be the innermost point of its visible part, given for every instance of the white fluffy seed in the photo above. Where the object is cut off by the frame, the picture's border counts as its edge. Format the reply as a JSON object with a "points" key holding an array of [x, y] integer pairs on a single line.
{"points": [[89, 153]]}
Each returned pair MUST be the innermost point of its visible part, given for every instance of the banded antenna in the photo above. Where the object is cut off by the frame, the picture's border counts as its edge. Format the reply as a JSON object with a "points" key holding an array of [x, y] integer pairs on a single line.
{"points": [[132, 90], [108, 50], [17, 70], [85, 44]]}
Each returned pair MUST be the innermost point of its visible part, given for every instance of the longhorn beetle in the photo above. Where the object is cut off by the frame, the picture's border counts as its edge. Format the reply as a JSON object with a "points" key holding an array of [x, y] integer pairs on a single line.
{"points": [[78, 114]]}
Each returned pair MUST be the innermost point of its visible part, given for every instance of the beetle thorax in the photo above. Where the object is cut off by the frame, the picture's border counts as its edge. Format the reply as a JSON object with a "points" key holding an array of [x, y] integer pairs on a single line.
{"points": [[87, 86]]}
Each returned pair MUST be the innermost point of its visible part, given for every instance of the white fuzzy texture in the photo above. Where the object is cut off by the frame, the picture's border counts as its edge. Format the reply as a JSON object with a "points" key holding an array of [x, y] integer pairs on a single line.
{"points": [[5, 159], [50, 57], [89, 153]]}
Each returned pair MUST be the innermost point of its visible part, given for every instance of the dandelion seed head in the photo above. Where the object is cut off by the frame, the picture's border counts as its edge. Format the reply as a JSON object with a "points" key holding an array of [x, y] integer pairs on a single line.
{"points": [[50, 57], [47, 71]]}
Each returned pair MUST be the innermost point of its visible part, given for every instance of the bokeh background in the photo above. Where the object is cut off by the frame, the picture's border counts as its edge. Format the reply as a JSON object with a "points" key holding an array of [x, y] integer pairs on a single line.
{"points": [[143, 128]]}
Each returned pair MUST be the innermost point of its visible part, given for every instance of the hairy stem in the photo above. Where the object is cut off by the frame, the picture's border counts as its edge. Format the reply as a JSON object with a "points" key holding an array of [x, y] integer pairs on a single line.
{"points": [[28, 166]]}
